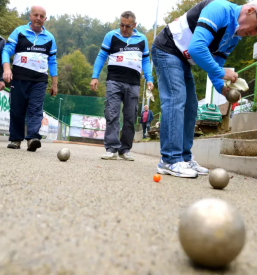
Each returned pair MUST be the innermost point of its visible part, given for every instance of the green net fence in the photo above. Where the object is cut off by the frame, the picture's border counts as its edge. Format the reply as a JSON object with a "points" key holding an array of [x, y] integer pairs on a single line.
{"points": [[61, 106]]}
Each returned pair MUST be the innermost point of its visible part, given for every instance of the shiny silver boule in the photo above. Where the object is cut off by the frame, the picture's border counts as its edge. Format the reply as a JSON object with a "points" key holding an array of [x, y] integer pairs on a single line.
{"points": [[63, 154], [219, 178], [233, 96], [212, 232]]}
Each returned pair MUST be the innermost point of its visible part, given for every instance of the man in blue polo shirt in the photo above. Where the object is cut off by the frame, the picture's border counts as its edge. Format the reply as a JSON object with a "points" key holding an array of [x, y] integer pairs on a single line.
{"points": [[205, 35], [34, 50], [2, 43], [128, 55]]}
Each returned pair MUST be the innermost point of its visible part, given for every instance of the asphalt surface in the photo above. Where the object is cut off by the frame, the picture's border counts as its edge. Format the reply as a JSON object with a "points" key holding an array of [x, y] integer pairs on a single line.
{"points": [[92, 216]]}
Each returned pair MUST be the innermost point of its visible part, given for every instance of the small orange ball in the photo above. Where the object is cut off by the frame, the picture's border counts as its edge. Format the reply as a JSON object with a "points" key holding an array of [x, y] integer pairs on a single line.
{"points": [[156, 177]]}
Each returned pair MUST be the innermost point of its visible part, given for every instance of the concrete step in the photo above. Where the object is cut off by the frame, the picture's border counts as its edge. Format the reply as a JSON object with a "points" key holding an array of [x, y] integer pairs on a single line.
{"points": [[239, 147], [207, 153], [239, 164]]}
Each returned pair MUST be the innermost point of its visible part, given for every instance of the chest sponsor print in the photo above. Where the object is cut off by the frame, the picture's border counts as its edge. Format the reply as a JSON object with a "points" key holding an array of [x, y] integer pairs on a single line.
{"points": [[119, 58], [24, 59]]}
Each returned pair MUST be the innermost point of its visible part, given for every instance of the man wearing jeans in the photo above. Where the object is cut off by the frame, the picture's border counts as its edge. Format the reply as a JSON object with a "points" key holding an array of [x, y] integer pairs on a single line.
{"points": [[128, 55], [34, 49], [146, 118], [205, 36], [2, 43]]}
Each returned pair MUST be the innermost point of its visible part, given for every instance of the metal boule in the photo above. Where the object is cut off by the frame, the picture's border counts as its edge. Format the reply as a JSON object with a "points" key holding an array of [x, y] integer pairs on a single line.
{"points": [[63, 154], [219, 178], [233, 96], [211, 232]]}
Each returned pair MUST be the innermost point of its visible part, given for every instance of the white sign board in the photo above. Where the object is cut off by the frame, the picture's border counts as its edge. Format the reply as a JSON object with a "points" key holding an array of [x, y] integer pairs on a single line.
{"points": [[4, 111], [88, 122], [44, 125], [49, 127]]}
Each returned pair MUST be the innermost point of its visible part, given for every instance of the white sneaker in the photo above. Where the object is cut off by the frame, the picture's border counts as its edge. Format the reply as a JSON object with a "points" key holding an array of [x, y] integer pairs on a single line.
{"points": [[110, 155], [199, 169], [178, 169], [127, 156]]}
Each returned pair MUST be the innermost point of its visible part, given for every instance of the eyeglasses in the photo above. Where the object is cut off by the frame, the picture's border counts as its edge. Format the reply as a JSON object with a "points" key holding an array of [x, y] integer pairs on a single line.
{"points": [[126, 26]]}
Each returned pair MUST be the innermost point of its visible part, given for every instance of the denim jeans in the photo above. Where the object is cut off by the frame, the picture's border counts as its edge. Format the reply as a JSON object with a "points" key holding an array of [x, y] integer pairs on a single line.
{"points": [[178, 106]]}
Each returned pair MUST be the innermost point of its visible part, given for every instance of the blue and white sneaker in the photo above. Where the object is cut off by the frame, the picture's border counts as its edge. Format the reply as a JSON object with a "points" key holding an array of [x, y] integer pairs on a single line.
{"points": [[178, 169], [199, 169]]}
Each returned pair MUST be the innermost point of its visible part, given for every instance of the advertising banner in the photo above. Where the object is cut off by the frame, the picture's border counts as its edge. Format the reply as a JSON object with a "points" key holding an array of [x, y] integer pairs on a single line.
{"points": [[82, 132], [52, 128], [44, 125], [88, 122], [87, 126], [4, 112]]}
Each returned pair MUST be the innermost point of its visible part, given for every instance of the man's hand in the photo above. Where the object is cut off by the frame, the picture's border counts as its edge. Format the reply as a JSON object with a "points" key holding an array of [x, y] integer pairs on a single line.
{"points": [[7, 75], [225, 90], [150, 86], [230, 75], [94, 84], [2, 85], [53, 90]]}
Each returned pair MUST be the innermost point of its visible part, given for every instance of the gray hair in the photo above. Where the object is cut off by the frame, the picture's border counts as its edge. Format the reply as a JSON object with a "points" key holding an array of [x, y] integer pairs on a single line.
{"points": [[252, 4], [36, 6], [127, 14]]}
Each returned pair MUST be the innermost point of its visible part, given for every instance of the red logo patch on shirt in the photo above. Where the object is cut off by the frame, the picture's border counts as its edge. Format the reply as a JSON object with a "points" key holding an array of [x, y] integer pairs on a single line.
{"points": [[186, 54], [23, 59], [119, 58]]}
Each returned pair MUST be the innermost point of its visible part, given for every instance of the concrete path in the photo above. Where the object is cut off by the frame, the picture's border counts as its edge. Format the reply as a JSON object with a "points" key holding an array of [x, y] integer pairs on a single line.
{"points": [[90, 216]]}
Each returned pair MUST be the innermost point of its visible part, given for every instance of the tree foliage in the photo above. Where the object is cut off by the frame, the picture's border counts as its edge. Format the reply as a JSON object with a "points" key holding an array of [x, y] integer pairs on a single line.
{"points": [[75, 75], [79, 40], [9, 19]]}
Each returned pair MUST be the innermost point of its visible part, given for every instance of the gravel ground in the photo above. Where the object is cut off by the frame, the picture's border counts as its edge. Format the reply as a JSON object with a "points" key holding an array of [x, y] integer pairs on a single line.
{"points": [[90, 216]]}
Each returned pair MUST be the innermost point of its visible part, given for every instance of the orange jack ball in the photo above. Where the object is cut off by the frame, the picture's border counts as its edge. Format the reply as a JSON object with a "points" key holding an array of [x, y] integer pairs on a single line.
{"points": [[156, 177]]}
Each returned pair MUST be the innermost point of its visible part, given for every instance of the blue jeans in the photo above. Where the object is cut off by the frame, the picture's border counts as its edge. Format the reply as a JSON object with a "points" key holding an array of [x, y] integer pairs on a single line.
{"points": [[178, 106]]}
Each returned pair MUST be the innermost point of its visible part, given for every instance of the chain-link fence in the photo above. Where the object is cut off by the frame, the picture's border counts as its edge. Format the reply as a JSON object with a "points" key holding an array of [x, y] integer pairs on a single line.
{"points": [[62, 106]]}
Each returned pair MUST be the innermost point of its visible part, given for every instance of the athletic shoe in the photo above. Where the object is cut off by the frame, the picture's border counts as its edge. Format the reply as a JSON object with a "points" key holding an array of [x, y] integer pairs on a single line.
{"points": [[110, 155], [178, 169], [199, 169], [127, 156]]}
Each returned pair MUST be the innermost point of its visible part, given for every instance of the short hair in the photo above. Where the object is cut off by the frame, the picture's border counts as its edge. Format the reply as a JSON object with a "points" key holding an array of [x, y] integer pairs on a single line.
{"points": [[252, 4], [127, 14], [36, 6]]}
